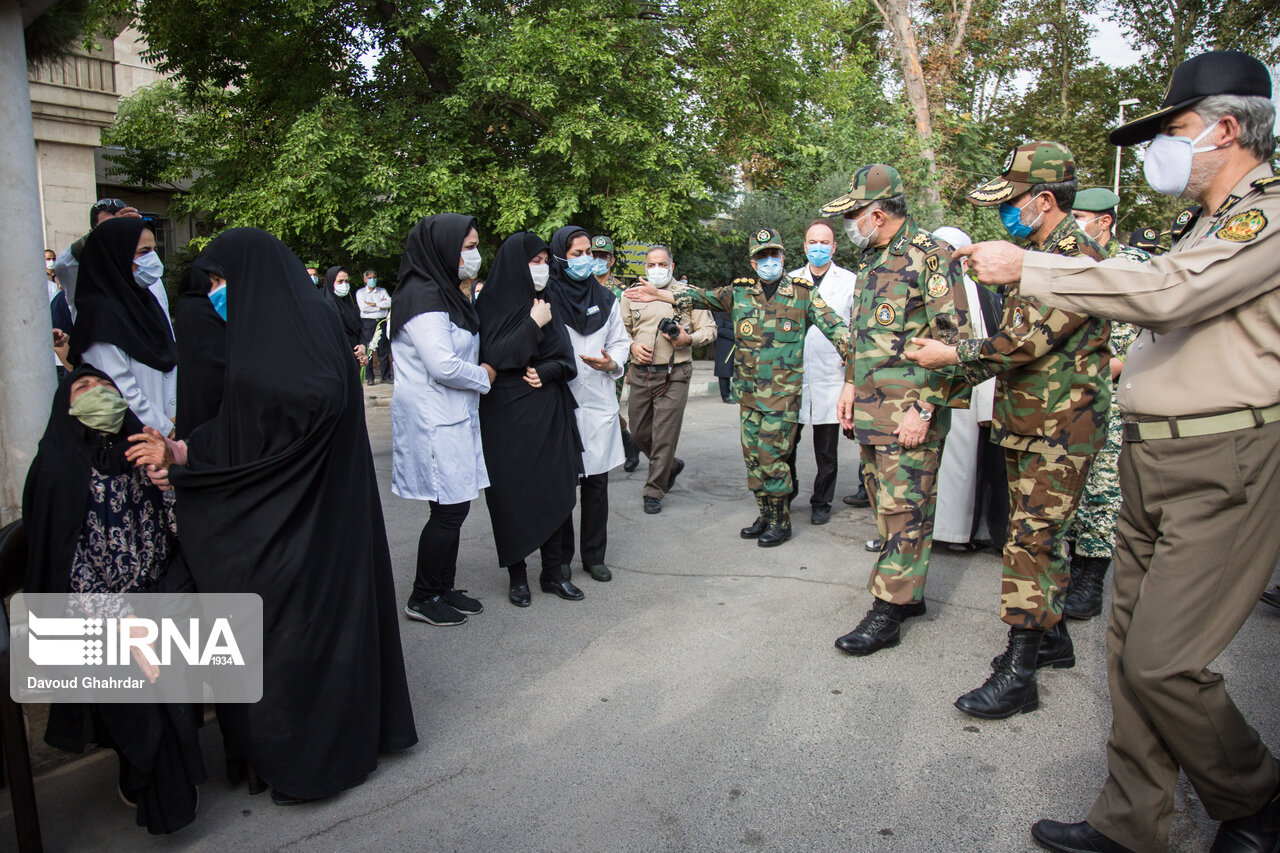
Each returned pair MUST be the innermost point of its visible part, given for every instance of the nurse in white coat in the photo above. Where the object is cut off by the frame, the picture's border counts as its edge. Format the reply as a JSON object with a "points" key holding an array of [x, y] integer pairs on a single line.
{"points": [[958, 471], [823, 366], [593, 318], [435, 423]]}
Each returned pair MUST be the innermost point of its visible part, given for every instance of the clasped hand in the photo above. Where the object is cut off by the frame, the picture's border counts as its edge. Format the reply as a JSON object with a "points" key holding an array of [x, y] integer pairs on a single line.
{"points": [[156, 453]]}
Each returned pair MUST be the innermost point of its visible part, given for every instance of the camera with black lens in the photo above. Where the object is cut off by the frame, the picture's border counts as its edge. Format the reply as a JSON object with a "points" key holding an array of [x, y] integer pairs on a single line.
{"points": [[669, 327]]}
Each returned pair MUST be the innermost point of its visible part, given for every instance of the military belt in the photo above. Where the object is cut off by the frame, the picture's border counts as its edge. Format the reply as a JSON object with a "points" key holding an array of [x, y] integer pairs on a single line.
{"points": [[655, 368], [1201, 425]]}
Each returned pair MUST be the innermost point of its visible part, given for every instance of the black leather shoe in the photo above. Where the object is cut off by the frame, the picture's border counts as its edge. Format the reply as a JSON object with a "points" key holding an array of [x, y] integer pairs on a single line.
{"points": [[652, 506], [1255, 833], [1272, 596], [675, 472], [757, 527], [1011, 687], [519, 595], [281, 799], [859, 498], [1056, 649], [821, 514], [631, 450], [1084, 597], [1073, 838], [879, 629], [562, 588], [600, 572]]}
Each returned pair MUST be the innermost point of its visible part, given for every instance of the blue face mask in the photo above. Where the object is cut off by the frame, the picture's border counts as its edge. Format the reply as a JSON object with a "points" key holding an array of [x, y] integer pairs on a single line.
{"points": [[580, 267], [601, 267], [769, 269], [1011, 219], [150, 269], [219, 299], [819, 254]]}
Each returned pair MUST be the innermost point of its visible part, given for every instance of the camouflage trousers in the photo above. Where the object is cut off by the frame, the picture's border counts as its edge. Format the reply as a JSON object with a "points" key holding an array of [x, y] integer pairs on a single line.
{"points": [[903, 488], [1044, 491], [768, 445], [1093, 531]]}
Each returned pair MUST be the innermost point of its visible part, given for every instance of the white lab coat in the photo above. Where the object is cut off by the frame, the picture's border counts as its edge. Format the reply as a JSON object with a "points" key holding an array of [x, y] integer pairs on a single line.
{"points": [[958, 470], [823, 366], [151, 395], [595, 393], [435, 412]]}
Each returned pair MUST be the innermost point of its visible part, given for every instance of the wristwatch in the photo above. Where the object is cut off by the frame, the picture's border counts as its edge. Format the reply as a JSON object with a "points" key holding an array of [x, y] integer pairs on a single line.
{"points": [[925, 414]]}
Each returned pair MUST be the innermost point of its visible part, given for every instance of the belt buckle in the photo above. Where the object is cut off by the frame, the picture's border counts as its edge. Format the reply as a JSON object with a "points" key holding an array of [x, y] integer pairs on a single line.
{"points": [[1132, 431]]}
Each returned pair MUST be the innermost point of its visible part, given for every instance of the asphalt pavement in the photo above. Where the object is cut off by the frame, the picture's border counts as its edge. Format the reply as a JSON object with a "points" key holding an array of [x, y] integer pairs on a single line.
{"points": [[694, 703]]}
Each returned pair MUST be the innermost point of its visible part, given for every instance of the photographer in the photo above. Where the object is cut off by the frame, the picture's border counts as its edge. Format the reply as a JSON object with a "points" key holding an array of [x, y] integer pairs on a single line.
{"points": [[662, 342]]}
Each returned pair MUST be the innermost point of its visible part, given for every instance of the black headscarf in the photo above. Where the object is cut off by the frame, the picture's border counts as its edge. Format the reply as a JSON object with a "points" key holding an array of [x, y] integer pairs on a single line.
{"points": [[57, 488], [202, 352], [279, 498], [114, 309], [346, 305], [583, 305], [428, 279], [509, 338]]}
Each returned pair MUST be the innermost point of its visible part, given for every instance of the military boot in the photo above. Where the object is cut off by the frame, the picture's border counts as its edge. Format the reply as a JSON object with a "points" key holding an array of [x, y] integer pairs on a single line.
{"points": [[1056, 649], [631, 450], [761, 524], [1011, 687], [779, 523], [1084, 598]]}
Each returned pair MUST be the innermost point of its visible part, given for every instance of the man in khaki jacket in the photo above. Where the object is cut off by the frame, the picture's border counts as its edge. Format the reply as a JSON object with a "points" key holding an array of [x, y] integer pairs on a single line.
{"points": [[661, 365], [1196, 540]]}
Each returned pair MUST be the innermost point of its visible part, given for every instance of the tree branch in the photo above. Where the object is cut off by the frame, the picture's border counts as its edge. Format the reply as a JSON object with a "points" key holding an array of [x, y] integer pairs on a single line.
{"points": [[427, 57]]}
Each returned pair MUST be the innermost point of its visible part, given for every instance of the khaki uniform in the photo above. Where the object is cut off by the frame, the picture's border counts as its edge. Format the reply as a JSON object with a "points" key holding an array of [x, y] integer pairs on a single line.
{"points": [[907, 288], [1050, 415], [656, 405], [1196, 540]]}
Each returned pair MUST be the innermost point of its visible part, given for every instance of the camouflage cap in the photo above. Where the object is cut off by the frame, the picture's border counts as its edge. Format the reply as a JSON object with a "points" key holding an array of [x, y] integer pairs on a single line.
{"points": [[765, 238], [1096, 200], [602, 244], [869, 184], [1039, 162]]}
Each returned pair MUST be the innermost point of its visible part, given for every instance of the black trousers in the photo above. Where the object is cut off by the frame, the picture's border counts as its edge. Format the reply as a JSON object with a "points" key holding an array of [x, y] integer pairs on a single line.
{"points": [[992, 500], [826, 446], [367, 328], [438, 550], [725, 393]]}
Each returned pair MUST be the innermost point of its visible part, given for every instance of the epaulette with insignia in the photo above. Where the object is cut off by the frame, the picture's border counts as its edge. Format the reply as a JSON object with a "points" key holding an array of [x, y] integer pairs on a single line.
{"points": [[803, 282], [1266, 184], [924, 241], [1068, 245], [744, 281], [1182, 224]]}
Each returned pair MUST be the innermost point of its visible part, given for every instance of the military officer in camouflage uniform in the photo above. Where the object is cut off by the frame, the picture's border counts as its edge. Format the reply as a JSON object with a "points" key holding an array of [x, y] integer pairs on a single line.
{"points": [[897, 411], [1093, 530], [771, 314], [1052, 399], [602, 251]]}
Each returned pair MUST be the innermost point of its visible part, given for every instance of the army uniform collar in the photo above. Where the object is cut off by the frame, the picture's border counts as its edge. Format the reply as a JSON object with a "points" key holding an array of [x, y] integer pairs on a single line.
{"points": [[897, 245], [1066, 228]]}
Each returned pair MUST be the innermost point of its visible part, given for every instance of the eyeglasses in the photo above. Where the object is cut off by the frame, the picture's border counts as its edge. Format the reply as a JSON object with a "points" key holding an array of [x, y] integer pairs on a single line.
{"points": [[110, 205]]}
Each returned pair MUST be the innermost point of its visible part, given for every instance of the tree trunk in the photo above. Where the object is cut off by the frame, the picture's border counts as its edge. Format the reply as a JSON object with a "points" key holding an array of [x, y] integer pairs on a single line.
{"points": [[897, 15]]}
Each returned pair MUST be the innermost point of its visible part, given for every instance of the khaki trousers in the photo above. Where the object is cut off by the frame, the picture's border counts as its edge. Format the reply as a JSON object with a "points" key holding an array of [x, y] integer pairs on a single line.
{"points": [[656, 418], [1196, 543]]}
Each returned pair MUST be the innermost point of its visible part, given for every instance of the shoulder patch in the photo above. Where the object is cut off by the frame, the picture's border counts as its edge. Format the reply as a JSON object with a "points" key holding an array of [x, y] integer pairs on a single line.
{"points": [[1243, 227], [931, 263], [885, 314], [1266, 184], [1226, 205], [938, 285]]}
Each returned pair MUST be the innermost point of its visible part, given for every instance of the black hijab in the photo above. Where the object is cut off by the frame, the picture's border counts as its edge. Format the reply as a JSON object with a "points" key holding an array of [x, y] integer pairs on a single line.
{"points": [[346, 305], [582, 305], [57, 488], [509, 338], [428, 279], [114, 309], [279, 498], [202, 352]]}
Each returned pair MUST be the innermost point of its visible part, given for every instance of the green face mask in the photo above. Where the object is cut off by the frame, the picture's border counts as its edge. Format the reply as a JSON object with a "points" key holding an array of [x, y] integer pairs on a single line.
{"points": [[100, 408]]}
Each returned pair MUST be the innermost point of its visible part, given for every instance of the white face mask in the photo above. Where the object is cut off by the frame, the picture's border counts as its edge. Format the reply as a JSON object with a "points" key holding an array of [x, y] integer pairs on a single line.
{"points": [[1167, 163], [539, 273], [658, 276], [470, 264], [856, 237], [342, 288], [48, 263]]}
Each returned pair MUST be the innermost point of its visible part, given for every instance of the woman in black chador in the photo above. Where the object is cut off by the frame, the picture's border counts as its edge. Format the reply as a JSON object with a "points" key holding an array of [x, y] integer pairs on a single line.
{"points": [[278, 497], [531, 446]]}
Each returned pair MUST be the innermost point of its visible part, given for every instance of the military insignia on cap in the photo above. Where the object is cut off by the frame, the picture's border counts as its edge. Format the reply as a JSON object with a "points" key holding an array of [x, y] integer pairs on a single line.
{"points": [[600, 241], [885, 314], [746, 328], [938, 286], [1133, 253], [1149, 233], [932, 263], [762, 236], [1243, 227], [1008, 161]]}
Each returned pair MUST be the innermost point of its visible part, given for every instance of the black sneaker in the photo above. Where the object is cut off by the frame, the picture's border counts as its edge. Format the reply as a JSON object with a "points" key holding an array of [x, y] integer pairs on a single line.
{"points": [[433, 611], [652, 506], [461, 603]]}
